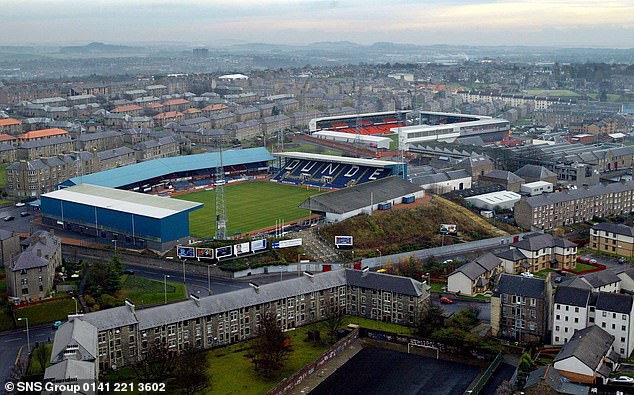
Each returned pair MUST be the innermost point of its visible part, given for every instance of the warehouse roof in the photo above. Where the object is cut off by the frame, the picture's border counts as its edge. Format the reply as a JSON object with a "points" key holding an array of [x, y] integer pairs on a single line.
{"points": [[359, 196], [123, 201], [140, 172]]}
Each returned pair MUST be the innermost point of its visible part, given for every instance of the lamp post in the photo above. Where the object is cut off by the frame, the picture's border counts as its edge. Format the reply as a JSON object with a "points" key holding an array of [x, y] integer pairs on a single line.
{"points": [[28, 337], [115, 246], [75, 299], [184, 260], [209, 278], [165, 276], [299, 265], [380, 257]]}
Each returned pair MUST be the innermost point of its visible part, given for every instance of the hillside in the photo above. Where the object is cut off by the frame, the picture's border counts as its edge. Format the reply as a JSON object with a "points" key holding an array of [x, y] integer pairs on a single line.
{"points": [[410, 229]]}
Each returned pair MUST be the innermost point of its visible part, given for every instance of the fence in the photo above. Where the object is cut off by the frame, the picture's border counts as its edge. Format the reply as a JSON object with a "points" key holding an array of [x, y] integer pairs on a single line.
{"points": [[296, 379], [484, 377]]}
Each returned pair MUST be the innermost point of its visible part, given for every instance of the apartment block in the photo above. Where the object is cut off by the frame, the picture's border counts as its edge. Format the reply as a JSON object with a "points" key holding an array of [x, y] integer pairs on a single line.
{"points": [[613, 238]]}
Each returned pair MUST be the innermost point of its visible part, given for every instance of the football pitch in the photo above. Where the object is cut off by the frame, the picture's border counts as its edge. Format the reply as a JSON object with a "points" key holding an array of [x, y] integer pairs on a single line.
{"points": [[250, 206]]}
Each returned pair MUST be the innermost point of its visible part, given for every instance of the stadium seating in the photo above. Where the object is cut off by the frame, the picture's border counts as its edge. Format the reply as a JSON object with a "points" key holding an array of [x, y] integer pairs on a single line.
{"points": [[327, 174]]}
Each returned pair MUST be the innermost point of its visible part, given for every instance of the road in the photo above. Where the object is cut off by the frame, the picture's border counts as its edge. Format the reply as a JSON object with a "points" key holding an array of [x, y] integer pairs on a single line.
{"points": [[11, 341]]}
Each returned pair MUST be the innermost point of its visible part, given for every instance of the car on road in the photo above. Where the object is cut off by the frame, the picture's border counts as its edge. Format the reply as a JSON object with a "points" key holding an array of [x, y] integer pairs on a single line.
{"points": [[622, 260], [57, 324], [9, 218], [128, 271], [445, 300], [24, 214], [622, 380], [20, 204], [583, 259]]}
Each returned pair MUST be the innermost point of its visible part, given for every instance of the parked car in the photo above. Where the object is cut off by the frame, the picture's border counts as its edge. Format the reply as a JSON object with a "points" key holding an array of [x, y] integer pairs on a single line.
{"points": [[593, 261], [622, 260], [20, 204], [128, 271], [24, 214], [528, 274], [445, 300], [623, 380], [559, 279], [57, 324], [9, 218], [582, 259]]}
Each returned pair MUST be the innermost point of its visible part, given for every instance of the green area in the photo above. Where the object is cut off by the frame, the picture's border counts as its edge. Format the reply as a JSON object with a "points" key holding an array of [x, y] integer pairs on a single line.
{"points": [[3, 175], [582, 267], [612, 97], [436, 287], [314, 149], [54, 310], [552, 92], [378, 325], [143, 291], [35, 365], [410, 229], [543, 273], [394, 143], [250, 206]]}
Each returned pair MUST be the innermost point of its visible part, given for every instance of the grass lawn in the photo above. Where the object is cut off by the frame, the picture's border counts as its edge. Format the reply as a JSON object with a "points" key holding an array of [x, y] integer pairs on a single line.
{"points": [[552, 93], [435, 287], [3, 175], [250, 206], [583, 266], [394, 143], [34, 366], [232, 372], [314, 149], [143, 291], [543, 273], [378, 325], [56, 310]]}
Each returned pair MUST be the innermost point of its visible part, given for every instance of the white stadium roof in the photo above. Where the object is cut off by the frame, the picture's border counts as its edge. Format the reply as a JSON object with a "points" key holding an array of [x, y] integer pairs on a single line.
{"points": [[336, 159], [124, 201], [361, 137]]}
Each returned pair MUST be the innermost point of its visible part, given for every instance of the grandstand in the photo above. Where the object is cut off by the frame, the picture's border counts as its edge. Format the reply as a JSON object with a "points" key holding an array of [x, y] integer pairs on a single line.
{"points": [[333, 172], [449, 127], [179, 173], [364, 124]]}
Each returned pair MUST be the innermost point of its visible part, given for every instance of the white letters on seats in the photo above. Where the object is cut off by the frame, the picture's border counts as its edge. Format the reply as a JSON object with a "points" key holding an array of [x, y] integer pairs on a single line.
{"points": [[330, 169], [353, 170], [375, 174], [292, 165]]}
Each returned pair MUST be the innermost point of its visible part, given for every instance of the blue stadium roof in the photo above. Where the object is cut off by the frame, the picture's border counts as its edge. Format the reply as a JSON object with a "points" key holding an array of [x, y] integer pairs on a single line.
{"points": [[142, 171]]}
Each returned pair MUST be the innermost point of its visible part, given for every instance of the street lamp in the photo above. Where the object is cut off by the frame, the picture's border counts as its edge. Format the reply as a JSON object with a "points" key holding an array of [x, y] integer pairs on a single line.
{"points": [[184, 260], [75, 299], [115, 246], [165, 276], [299, 265], [28, 338], [380, 256]]}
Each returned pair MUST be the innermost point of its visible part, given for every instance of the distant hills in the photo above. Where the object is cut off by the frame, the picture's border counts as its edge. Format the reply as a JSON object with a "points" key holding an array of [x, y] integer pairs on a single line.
{"points": [[98, 47]]}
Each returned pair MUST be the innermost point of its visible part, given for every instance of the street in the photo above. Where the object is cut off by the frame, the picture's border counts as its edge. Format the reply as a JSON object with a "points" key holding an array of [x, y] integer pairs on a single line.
{"points": [[11, 341]]}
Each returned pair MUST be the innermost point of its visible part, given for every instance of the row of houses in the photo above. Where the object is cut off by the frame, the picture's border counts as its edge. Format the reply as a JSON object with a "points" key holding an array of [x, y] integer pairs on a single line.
{"points": [[117, 337]]}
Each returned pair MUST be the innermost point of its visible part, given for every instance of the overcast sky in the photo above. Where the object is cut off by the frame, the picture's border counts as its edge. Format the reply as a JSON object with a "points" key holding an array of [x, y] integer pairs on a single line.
{"points": [[593, 23]]}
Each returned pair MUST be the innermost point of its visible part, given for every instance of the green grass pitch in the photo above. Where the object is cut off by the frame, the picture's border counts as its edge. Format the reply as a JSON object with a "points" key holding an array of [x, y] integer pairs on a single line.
{"points": [[250, 206]]}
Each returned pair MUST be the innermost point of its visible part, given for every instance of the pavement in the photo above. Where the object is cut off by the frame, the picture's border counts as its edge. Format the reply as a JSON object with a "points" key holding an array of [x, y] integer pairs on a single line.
{"points": [[11, 341]]}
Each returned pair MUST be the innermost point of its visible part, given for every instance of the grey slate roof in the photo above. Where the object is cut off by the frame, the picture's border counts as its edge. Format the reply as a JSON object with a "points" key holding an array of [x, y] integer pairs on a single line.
{"points": [[75, 332], [616, 303], [193, 121], [554, 380], [523, 286], [619, 229], [510, 254], [589, 345], [39, 248], [113, 153], [440, 177], [470, 269], [503, 175], [99, 135], [534, 171], [111, 318], [599, 279], [581, 193], [384, 282], [488, 261], [46, 142], [70, 370], [541, 241], [573, 296], [358, 196]]}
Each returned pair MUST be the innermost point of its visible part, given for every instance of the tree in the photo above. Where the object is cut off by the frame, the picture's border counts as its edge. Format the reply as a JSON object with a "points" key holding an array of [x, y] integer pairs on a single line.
{"points": [[269, 350], [42, 356], [190, 371], [156, 364], [526, 362], [333, 321], [17, 371], [430, 320]]}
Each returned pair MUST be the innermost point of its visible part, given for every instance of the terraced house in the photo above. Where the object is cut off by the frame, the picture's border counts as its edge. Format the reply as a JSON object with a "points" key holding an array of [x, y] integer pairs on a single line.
{"points": [[124, 333]]}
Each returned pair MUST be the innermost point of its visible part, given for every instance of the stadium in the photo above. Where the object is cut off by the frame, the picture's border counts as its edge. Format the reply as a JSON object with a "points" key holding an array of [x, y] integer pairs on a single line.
{"points": [[258, 194], [415, 127]]}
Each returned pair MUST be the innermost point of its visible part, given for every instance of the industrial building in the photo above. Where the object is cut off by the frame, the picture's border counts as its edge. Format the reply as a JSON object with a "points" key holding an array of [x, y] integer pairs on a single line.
{"points": [[536, 188], [364, 198], [134, 220], [502, 200]]}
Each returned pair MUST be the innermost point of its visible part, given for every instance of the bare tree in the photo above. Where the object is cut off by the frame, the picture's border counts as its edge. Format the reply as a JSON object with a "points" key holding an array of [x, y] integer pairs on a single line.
{"points": [[269, 350], [333, 320], [190, 371], [156, 364]]}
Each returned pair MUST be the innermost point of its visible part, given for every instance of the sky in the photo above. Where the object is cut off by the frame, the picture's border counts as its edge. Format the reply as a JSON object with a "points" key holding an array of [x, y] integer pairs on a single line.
{"points": [[578, 23]]}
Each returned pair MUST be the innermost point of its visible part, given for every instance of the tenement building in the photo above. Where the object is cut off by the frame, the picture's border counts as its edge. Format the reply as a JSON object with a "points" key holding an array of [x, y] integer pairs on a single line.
{"points": [[552, 210], [613, 238], [124, 334]]}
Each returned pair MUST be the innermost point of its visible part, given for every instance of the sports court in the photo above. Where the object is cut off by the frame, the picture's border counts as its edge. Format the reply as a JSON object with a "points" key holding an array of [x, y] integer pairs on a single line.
{"points": [[380, 371]]}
